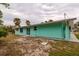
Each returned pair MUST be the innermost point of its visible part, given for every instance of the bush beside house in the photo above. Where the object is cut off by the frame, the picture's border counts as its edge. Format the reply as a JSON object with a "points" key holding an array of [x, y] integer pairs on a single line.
{"points": [[3, 32]]}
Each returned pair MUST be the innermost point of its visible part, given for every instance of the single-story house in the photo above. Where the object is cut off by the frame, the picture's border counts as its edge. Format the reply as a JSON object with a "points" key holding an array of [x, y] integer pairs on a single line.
{"points": [[56, 29]]}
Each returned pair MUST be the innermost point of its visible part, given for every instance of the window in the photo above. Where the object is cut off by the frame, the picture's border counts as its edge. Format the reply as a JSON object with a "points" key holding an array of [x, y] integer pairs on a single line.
{"points": [[21, 30], [35, 28]]}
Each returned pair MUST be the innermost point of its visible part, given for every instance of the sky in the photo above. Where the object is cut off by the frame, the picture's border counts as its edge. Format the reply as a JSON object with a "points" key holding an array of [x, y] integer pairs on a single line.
{"points": [[39, 12]]}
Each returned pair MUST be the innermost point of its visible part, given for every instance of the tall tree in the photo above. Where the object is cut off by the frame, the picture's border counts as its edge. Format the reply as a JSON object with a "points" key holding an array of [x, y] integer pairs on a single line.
{"points": [[1, 14], [50, 20], [5, 4], [27, 22], [17, 22]]}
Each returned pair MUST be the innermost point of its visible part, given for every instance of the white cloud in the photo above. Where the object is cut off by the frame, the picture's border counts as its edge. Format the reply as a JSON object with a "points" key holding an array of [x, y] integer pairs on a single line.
{"points": [[38, 12]]}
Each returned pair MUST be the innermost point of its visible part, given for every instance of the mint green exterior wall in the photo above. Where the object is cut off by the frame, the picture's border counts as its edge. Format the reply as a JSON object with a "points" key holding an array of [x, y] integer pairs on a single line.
{"points": [[67, 32], [53, 30], [21, 33]]}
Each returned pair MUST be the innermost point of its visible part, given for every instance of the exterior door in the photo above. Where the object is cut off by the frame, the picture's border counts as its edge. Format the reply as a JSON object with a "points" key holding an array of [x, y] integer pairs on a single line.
{"points": [[28, 31]]}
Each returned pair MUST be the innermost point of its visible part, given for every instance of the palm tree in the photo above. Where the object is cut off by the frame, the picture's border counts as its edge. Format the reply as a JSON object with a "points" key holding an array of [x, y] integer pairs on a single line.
{"points": [[45, 21], [50, 20], [27, 22], [17, 22]]}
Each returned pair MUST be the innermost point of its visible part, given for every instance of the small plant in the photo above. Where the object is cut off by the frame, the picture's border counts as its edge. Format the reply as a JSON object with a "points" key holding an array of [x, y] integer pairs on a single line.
{"points": [[3, 32]]}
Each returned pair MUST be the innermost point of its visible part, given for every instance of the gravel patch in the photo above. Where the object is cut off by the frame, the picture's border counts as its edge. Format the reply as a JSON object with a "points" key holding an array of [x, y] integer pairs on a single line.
{"points": [[27, 46]]}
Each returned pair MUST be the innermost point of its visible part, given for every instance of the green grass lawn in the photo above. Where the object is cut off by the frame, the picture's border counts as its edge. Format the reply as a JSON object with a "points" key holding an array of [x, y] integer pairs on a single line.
{"points": [[64, 48], [64, 53], [77, 35]]}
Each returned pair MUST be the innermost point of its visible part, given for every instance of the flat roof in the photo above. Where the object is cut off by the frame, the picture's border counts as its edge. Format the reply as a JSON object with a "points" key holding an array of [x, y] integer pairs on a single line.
{"points": [[51, 22]]}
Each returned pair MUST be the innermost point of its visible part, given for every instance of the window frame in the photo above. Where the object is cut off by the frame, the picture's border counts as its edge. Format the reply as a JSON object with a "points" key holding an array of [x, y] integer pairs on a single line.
{"points": [[35, 28], [21, 30]]}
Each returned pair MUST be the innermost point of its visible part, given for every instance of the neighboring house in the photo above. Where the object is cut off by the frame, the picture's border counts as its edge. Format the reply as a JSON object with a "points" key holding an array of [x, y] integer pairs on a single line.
{"points": [[59, 30], [76, 27]]}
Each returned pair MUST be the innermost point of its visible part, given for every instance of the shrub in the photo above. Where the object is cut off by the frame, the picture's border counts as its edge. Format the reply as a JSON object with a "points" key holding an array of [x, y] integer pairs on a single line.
{"points": [[3, 32]]}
